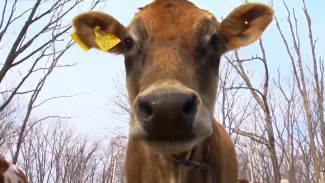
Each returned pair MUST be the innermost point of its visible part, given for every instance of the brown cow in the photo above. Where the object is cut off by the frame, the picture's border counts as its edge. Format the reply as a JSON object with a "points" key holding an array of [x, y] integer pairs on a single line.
{"points": [[172, 52], [10, 173]]}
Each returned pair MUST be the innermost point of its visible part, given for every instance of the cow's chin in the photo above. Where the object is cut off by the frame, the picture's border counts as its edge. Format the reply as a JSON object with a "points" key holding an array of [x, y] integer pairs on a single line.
{"points": [[174, 148]]}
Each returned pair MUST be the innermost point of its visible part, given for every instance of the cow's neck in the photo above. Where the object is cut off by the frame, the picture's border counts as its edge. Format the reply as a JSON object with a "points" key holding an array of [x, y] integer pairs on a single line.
{"points": [[175, 172], [178, 175], [147, 166]]}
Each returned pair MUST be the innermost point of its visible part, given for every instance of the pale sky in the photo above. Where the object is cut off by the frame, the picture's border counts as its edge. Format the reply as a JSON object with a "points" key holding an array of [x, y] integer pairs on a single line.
{"points": [[96, 70]]}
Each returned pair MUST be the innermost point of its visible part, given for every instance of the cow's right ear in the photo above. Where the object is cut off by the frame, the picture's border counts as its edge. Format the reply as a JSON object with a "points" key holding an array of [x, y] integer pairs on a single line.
{"points": [[88, 26]]}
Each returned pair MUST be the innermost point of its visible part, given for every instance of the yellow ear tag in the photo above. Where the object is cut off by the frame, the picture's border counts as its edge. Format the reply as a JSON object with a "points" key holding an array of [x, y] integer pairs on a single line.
{"points": [[76, 39], [104, 40]]}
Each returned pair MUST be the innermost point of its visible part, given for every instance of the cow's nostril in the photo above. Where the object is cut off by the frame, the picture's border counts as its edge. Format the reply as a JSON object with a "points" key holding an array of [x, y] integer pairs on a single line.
{"points": [[189, 107], [145, 111]]}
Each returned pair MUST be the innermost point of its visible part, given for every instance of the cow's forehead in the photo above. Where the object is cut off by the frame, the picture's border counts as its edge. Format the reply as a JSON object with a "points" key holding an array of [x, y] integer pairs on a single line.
{"points": [[167, 18]]}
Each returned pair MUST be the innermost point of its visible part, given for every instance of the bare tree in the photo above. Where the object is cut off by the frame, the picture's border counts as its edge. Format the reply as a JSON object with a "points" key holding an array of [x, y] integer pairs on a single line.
{"points": [[35, 51], [262, 99], [229, 97], [113, 154], [308, 87], [119, 104], [8, 128], [55, 153], [286, 112]]}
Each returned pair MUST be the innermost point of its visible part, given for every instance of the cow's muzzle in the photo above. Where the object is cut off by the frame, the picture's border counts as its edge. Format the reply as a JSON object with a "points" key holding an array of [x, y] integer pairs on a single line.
{"points": [[167, 116], [170, 113]]}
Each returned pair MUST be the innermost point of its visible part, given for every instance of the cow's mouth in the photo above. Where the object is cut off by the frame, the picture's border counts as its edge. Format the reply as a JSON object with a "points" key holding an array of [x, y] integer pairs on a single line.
{"points": [[175, 149], [173, 142], [187, 155]]}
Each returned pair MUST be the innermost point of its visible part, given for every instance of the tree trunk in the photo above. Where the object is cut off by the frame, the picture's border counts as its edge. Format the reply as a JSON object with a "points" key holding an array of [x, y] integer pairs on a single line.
{"points": [[271, 148]]}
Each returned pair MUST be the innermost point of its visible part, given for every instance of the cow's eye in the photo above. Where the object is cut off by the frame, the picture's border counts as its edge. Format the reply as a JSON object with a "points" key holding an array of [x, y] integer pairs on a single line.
{"points": [[128, 42], [214, 41]]}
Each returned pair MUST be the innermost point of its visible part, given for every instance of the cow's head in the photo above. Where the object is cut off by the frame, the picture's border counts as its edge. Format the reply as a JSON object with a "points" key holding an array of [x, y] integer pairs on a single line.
{"points": [[172, 51]]}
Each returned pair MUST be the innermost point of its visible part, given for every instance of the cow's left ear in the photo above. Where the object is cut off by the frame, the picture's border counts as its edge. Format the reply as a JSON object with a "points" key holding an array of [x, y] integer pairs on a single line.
{"points": [[245, 24], [98, 30]]}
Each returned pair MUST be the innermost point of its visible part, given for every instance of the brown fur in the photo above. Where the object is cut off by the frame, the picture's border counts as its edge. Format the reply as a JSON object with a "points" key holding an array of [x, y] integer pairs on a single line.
{"points": [[243, 181], [172, 50], [5, 166]]}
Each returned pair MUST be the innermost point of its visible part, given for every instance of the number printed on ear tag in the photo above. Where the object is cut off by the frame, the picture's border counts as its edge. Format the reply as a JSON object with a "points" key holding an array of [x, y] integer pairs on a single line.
{"points": [[104, 40]]}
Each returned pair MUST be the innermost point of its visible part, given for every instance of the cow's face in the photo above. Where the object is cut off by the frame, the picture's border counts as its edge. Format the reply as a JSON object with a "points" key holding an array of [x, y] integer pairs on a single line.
{"points": [[172, 51]]}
